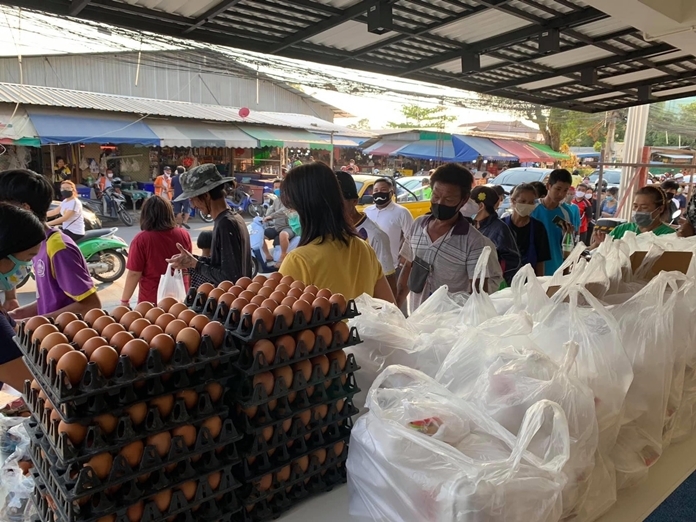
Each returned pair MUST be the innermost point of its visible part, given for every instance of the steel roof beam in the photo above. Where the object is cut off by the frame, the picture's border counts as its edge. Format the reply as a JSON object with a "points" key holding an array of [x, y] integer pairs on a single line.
{"points": [[210, 14], [76, 6]]}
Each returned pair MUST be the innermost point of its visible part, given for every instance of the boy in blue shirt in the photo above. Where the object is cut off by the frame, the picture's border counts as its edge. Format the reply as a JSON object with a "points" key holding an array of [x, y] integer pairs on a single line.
{"points": [[551, 206]]}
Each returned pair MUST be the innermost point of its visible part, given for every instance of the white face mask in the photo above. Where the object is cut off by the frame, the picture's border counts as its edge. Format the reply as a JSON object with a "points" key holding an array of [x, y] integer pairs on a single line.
{"points": [[524, 209], [588, 196], [579, 194], [470, 208]]}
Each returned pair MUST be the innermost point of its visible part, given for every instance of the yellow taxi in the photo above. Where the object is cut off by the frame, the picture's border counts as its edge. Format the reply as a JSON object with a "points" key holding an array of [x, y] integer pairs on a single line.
{"points": [[409, 193]]}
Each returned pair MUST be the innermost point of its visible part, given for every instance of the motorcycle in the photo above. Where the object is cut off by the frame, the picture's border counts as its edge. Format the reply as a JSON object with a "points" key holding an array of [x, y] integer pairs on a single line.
{"points": [[110, 204], [241, 202], [256, 238], [104, 252]]}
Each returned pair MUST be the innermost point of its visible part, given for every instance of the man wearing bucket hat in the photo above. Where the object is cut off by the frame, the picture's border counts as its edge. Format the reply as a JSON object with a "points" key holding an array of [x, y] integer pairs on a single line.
{"points": [[230, 253]]}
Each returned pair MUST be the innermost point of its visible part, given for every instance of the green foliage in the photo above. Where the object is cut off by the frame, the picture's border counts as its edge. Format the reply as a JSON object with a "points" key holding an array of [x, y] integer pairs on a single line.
{"points": [[363, 124], [422, 117]]}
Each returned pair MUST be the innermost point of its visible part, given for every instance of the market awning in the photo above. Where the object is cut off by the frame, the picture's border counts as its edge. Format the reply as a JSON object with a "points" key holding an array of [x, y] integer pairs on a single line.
{"points": [[183, 134], [484, 147], [16, 127], [281, 137], [54, 127], [548, 151], [428, 150], [385, 147], [523, 152], [342, 141]]}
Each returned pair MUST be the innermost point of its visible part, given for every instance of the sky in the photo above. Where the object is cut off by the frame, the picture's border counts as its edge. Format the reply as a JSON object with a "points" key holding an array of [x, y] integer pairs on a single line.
{"points": [[25, 33]]}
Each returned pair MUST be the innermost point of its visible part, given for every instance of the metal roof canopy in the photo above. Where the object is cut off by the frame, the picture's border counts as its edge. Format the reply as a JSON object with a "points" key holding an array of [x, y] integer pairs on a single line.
{"points": [[589, 62]]}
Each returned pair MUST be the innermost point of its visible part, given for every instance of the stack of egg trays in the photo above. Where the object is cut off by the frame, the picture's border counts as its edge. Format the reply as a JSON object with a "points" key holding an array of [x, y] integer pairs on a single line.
{"points": [[95, 394], [220, 505]]}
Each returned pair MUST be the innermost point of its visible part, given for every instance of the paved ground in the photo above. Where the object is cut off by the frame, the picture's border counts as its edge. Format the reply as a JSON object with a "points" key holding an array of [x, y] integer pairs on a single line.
{"points": [[110, 293]]}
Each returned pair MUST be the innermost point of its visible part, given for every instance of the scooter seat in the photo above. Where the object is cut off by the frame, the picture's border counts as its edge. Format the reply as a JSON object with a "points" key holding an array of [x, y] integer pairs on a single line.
{"points": [[94, 234]]}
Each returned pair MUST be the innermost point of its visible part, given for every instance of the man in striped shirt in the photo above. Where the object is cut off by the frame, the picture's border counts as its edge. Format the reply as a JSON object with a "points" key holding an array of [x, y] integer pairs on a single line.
{"points": [[442, 248]]}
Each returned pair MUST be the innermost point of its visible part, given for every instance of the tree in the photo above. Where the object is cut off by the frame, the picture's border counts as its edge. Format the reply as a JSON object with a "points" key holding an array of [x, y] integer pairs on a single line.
{"points": [[363, 124], [422, 117]]}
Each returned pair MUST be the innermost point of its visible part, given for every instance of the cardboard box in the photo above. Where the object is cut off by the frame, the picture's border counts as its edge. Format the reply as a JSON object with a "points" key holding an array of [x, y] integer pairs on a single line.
{"points": [[669, 261]]}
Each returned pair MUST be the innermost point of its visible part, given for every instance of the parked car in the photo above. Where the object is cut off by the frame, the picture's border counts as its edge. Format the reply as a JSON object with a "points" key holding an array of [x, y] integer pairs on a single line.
{"points": [[416, 205], [610, 178], [510, 178]]}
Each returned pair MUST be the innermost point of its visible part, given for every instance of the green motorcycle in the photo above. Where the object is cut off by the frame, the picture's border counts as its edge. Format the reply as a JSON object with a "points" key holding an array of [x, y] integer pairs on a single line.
{"points": [[104, 252]]}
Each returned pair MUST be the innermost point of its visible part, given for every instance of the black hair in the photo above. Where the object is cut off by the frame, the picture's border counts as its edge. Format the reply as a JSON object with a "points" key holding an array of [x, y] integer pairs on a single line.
{"points": [[218, 192], [385, 180], [313, 191], [613, 191], [491, 197], [277, 180], [500, 191], [59, 158], [659, 196], [20, 230], [524, 187], [180, 170], [560, 176], [669, 184], [454, 174], [205, 239], [23, 186], [157, 214], [540, 189], [581, 185]]}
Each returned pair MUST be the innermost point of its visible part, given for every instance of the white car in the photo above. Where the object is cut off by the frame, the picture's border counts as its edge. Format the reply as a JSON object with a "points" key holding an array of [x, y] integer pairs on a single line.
{"points": [[510, 178]]}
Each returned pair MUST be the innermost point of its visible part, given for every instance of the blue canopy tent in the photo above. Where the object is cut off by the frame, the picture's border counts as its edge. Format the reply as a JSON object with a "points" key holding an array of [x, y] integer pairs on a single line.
{"points": [[464, 146], [443, 150]]}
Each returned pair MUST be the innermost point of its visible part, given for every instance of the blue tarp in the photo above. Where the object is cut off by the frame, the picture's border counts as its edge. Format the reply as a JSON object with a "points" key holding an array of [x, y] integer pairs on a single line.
{"points": [[482, 146], [434, 150], [53, 128]]}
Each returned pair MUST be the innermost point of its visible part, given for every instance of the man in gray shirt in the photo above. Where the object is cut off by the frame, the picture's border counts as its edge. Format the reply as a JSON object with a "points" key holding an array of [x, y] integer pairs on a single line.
{"points": [[281, 227]]}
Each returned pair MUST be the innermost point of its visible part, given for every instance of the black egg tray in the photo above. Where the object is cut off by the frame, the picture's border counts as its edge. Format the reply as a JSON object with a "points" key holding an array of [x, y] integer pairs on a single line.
{"points": [[125, 432], [251, 365], [74, 482], [93, 383], [220, 504], [247, 395]]}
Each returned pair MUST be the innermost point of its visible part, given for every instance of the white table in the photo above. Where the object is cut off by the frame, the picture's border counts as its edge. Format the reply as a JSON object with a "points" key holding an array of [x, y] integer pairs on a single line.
{"points": [[633, 505]]}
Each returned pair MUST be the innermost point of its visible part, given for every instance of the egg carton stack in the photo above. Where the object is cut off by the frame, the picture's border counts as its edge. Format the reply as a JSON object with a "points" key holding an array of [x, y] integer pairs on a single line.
{"points": [[293, 386], [131, 416]]}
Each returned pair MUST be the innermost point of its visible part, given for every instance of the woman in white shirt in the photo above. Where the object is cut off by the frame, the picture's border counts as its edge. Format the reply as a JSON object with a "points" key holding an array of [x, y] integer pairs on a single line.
{"points": [[69, 212]]}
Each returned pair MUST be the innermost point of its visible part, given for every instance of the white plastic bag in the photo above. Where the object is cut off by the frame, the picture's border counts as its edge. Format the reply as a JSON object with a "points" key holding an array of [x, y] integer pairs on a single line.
{"points": [[528, 295], [440, 310], [408, 463], [479, 306], [171, 285]]}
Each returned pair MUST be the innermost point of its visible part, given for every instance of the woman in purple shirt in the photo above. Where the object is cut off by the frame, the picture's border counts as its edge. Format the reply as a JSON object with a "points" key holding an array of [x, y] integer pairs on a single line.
{"points": [[21, 237]]}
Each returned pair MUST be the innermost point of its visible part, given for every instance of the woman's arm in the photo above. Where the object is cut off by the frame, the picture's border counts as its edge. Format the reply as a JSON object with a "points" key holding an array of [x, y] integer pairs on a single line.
{"points": [[383, 291], [686, 230], [53, 212], [132, 280], [62, 219]]}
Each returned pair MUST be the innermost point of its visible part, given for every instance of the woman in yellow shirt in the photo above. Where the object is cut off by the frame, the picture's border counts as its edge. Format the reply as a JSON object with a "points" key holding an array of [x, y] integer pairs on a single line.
{"points": [[330, 254]]}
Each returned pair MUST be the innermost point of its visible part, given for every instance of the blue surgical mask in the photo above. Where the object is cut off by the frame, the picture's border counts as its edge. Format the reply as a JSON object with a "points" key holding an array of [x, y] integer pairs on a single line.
{"points": [[276, 192], [610, 198], [10, 280]]}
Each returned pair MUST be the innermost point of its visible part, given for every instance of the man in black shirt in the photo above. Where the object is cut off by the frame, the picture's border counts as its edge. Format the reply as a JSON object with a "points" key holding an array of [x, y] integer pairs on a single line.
{"points": [[230, 252]]}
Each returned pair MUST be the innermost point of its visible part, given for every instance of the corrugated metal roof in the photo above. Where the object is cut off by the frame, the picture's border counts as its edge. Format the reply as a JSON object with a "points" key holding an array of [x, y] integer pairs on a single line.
{"points": [[53, 97]]}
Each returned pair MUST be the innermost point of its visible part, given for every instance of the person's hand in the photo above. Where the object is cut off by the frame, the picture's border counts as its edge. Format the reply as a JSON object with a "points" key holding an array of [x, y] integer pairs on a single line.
{"points": [[567, 227], [11, 304], [266, 219], [598, 238], [18, 314], [184, 259]]}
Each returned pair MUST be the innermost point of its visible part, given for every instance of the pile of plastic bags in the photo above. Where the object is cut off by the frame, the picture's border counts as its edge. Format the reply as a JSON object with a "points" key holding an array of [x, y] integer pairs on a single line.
{"points": [[539, 402]]}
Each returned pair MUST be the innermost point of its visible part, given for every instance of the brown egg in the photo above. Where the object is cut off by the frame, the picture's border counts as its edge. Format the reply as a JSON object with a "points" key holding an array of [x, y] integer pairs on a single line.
{"points": [[287, 424], [339, 405], [106, 422], [304, 308], [339, 300], [265, 292], [133, 453], [112, 329], [214, 480], [58, 351], [150, 332], [164, 320], [163, 499], [135, 512], [42, 331], [144, 307], [320, 455], [216, 294], [106, 359], [267, 434], [166, 303], [305, 367], [283, 474], [246, 294], [107, 518], [189, 489], [73, 364], [288, 343], [137, 413], [294, 284], [249, 309], [244, 282], [289, 302], [84, 335], [340, 356], [153, 314], [205, 288], [53, 339], [92, 344], [227, 299], [325, 333], [187, 315], [261, 279], [65, 319], [272, 284], [265, 316], [199, 322], [258, 300], [307, 338], [102, 322], [307, 296], [338, 448], [32, 324], [236, 290], [137, 350], [120, 339], [266, 348], [305, 417], [175, 326], [162, 443], [215, 390], [93, 315], [214, 425], [341, 332], [191, 339], [277, 276], [270, 304], [324, 292], [129, 317], [188, 433], [254, 288], [239, 303], [225, 285], [287, 314], [250, 412], [118, 312], [164, 344], [216, 331], [322, 303], [101, 465], [286, 373], [177, 308], [164, 404], [139, 325], [190, 398], [264, 483], [75, 432], [322, 361], [278, 297], [266, 380], [295, 292], [311, 289]]}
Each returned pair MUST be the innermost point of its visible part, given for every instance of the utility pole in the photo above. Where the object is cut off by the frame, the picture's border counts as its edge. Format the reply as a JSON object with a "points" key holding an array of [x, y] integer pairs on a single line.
{"points": [[611, 132]]}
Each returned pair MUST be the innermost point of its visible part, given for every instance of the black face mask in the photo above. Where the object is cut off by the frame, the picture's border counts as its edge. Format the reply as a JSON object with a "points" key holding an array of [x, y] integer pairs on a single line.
{"points": [[381, 198], [66, 193], [669, 195], [443, 212]]}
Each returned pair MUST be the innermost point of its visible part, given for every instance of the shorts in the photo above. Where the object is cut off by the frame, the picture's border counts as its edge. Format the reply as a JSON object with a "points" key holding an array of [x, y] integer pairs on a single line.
{"points": [[272, 233], [181, 207]]}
